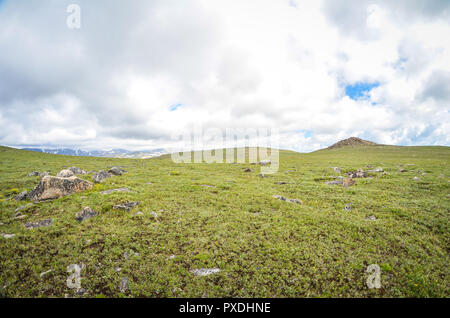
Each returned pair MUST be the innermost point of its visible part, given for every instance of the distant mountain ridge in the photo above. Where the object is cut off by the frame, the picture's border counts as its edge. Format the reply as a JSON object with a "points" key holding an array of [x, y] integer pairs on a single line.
{"points": [[114, 153], [352, 141]]}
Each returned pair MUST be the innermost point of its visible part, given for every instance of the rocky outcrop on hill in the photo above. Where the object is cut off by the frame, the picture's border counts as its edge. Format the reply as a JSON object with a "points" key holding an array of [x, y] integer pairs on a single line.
{"points": [[352, 141], [54, 187]]}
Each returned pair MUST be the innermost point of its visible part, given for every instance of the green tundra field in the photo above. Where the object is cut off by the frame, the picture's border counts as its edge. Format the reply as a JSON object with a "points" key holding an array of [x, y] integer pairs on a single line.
{"points": [[217, 216]]}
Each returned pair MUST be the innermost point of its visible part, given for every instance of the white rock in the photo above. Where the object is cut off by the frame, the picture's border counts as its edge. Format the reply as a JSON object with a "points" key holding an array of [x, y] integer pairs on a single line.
{"points": [[205, 271]]}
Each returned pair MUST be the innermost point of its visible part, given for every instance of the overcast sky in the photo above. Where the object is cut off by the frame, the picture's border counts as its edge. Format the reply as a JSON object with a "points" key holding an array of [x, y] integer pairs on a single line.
{"points": [[136, 71]]}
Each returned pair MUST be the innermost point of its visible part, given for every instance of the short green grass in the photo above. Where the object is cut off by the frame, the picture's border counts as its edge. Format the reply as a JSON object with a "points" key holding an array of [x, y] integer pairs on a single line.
{"points": [[264, 247]]}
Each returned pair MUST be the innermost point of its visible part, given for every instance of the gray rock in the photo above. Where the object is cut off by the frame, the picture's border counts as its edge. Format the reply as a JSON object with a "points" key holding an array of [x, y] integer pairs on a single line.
{"points": [[281, 198], [154, 214], [116, 171], [7, 236], [76, 170], [248, 170], [42, 223], [207, 186], [371, 218], [348, 207], [53, 187], [87, 213], [65, 174], [100, 176], [281, 182], [337, 169], [376, 170], [38, 174], [124, 285], [23, 207], [21, 196], [296, 201], [126, 206], [403, 170], [205, 271], [334, 182], [357, 174], [416, 179], [115, 190], [138, 213], [45, 273]]}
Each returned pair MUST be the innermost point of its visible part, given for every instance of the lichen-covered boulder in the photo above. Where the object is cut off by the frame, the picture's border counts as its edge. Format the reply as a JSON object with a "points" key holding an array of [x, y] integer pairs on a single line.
{"points": [[100, 176], [54, 187], [116, 171], [76, 170]]}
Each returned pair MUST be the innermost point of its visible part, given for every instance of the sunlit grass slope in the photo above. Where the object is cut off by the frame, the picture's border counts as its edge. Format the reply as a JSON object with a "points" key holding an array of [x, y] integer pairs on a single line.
{"points": [[264, 247]]}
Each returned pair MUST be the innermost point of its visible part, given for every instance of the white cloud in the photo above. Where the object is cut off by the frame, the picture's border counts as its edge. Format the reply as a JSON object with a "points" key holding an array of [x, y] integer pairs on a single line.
{"points": [[228, 64]]}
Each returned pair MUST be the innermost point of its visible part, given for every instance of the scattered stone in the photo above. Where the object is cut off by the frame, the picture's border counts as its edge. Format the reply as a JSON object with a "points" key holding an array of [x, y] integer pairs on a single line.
{"points": [[265, 162], [65, 174], [115, 190], [416, 179], [348, 207], [54, 187], [379, 169], [205, 271], [248, 170], [348, 182], [371, 218], [334, 182], [138, 213], [154, 214], [296, 201], [80, 292], [21, 196], [126, 206], [19, 216], [127, 255], [117, 269], [76, 170], [23, 207], [124, 285], [337, 169], [403, 170], [85, 214], [207, 186], [7, 236], [38, 174], [281, 198], [42, 223], [357, 174], [100, 176], [172, 256], [116, 171], [281, 182], [45, 273]]}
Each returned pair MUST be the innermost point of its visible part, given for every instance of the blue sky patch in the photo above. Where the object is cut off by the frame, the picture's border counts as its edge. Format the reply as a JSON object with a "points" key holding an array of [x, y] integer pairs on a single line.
{"points": [[175, 107], [359, 90]]}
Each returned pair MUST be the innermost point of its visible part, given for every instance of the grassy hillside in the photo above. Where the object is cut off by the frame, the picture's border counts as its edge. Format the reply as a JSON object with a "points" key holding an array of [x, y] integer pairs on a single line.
{"points": [[264, 247]]}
